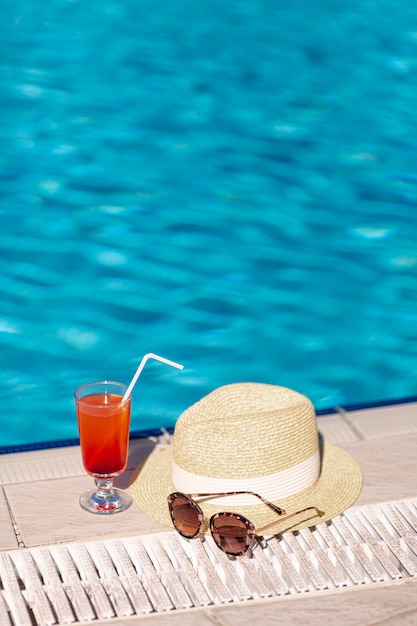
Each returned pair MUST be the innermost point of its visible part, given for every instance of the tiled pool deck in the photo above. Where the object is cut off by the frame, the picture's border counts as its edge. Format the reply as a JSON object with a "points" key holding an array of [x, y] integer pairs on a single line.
{"points": [[39, 508]]}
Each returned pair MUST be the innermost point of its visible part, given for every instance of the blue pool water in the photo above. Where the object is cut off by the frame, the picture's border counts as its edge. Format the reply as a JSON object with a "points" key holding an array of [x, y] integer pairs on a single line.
{"points": [[232, 185]]}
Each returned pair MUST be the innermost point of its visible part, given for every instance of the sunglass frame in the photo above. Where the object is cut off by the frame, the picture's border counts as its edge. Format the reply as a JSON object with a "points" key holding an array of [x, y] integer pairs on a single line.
{"points": [[249, 525]]}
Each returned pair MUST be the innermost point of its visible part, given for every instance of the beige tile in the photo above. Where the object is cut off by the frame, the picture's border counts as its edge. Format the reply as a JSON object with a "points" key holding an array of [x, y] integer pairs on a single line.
{"points": [[39, 465], [389, 467], [189, 617], [334, 428], [366, 606], [49, 512], [139, 449], [43, 488], [7, 535], [386, 421]]}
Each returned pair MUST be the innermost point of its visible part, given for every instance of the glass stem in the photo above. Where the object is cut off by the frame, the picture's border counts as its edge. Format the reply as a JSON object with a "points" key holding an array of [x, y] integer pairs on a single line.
{"points": [[105, 488]]}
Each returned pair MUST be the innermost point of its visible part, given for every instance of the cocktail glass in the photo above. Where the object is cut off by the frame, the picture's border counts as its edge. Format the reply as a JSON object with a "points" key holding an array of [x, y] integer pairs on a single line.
{"points": [[103, 424]]}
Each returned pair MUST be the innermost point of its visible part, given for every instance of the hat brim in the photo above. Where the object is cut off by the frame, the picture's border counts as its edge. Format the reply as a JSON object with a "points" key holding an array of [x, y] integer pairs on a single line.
{"points": [[338, 486]]}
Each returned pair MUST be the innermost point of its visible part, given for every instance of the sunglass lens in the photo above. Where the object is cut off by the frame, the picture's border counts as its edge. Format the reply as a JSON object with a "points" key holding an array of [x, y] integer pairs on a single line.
{"points": [[185, 515], [232, 533]]}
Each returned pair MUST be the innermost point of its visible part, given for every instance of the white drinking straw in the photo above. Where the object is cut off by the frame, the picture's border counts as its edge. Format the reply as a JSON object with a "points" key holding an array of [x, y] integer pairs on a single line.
{"points": [[142, 365]]}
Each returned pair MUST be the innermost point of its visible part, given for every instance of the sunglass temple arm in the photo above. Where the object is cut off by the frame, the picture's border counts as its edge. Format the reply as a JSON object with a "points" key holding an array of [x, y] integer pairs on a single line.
{"points": [[278, 521], [208, 496]]}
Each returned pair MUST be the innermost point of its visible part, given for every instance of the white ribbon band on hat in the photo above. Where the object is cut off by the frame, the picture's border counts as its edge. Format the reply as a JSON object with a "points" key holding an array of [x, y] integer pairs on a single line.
{"points": [[272, 487]]}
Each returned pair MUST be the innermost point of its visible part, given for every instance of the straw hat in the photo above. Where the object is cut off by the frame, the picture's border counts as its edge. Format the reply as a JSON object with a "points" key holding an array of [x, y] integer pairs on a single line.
{"points": [[250, 437]]}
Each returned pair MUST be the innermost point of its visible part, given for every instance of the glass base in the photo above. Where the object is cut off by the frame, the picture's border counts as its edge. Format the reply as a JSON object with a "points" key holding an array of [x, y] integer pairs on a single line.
{"points": [[105, 503]]}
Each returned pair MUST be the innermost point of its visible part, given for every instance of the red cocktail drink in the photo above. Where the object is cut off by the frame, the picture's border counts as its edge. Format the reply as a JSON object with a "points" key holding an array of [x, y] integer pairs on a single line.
{"points": [[103, 424]]}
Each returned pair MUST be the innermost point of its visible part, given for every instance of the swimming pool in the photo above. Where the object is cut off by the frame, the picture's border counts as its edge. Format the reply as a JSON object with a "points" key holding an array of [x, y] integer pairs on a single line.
{"points": [[232, 186]]}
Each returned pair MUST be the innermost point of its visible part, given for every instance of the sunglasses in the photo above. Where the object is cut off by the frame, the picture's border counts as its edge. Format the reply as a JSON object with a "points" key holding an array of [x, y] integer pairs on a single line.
{"points": [[233, 533]]}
